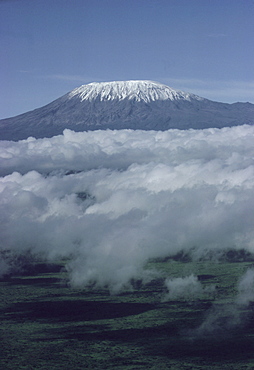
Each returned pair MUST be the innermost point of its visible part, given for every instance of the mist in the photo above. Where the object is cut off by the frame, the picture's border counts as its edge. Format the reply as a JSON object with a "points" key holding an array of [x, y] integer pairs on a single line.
{"points": [[109, 201], [187, 288]]}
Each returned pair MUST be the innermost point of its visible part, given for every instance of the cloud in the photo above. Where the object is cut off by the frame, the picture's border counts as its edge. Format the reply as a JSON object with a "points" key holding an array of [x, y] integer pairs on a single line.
{"points": [[217, 35], [65, 77], [108, 201], [246, 288], [82, 79], [224, 317], [227, 91], [188, 288]]}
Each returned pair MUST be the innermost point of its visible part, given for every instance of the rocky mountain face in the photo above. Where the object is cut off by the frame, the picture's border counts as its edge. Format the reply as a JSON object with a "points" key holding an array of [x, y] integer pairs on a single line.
{"points": [[144, 105]]}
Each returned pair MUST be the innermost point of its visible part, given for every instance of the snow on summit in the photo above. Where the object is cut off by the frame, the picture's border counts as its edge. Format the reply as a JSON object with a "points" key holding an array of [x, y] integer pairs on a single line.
{"points": [[116, 105], [146, 91]]}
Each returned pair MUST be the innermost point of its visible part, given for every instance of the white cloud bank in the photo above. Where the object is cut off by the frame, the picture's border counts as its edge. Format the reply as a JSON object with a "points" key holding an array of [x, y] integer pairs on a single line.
{"points": [[131, 196], [187, 287]]}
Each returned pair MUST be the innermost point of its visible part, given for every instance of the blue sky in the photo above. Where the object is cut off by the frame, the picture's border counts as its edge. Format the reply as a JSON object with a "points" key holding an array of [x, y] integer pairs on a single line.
{"points": [[49, 47]]}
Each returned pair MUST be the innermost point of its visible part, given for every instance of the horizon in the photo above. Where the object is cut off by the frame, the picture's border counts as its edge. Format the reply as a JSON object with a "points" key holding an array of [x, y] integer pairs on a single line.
{"points": [[52, 47]]}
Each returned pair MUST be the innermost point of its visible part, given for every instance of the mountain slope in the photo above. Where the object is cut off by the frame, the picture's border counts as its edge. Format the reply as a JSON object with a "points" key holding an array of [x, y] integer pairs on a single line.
{"points": [[125, 104]]}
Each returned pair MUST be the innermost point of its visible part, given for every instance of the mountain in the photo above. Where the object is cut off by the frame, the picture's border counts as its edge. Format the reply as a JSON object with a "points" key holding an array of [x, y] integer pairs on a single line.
{"points": [[142, 105]]}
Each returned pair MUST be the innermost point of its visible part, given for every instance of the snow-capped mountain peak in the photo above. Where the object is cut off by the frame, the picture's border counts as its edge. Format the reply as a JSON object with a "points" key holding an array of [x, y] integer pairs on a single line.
{"points": [[137, 90], [138, 105]]}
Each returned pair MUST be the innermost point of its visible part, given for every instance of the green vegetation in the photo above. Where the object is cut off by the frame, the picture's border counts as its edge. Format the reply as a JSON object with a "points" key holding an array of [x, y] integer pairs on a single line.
{"points": [[45, 324]]}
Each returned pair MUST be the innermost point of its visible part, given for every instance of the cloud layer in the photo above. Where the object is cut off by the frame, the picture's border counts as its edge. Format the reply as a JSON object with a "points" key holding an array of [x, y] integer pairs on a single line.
{"points": [[110, 200]]}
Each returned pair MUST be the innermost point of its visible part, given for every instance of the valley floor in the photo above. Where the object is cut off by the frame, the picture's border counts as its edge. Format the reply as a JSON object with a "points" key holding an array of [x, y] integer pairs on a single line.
{"points": [[45, 324]]}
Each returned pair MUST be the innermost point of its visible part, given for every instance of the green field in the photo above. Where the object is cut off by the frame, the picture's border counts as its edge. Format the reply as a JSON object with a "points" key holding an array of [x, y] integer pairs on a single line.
{"points": [[45, 324]]}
